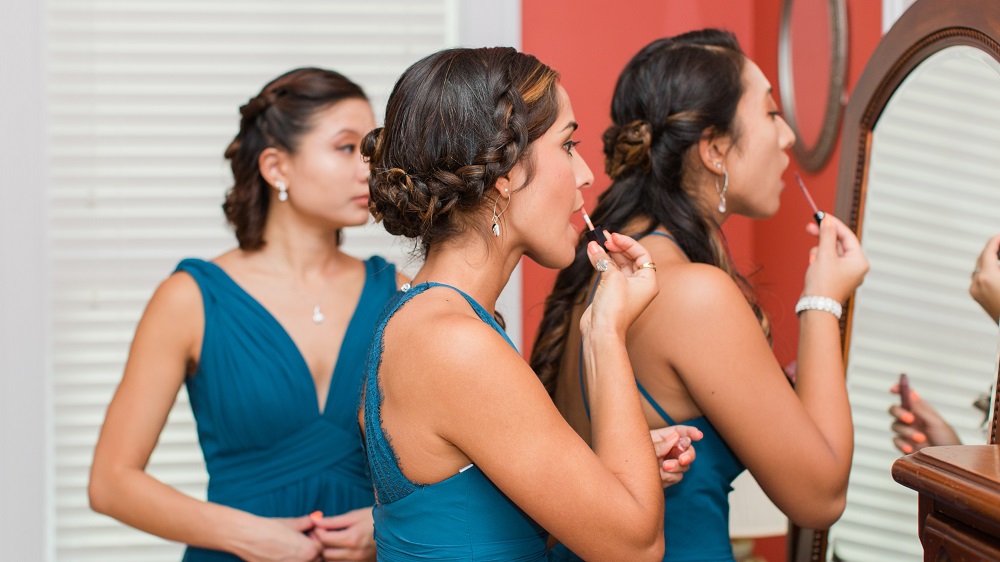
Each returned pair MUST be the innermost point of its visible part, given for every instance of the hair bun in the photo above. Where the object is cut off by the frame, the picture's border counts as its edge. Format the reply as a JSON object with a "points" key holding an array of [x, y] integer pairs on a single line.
{"points": [[627, 147]]}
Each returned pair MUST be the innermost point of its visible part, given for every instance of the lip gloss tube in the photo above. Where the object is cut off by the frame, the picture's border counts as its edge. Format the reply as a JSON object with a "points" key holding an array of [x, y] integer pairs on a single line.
{"points": [[593, 233], [904, 393], [817, 214]]}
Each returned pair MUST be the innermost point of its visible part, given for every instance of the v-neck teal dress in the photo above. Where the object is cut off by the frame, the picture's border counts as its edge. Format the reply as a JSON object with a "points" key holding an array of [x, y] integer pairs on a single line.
{"points": [[268, 448]]}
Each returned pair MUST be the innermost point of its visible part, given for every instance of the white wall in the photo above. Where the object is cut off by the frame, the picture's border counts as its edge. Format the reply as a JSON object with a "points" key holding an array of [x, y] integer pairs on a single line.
{"points": [[23, 298]]}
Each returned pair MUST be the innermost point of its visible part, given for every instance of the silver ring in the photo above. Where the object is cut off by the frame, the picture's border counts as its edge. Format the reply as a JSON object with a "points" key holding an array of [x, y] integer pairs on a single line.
{"points": [[648, 265], [602, 265]]}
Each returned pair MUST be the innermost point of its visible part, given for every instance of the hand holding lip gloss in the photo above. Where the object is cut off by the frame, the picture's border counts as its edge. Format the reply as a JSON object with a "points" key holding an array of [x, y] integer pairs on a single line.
{"points": [[817, 214], [593, 233], [905, 399]]}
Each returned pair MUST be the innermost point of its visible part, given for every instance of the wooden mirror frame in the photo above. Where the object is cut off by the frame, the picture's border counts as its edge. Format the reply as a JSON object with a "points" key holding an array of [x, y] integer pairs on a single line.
{"points": [[927, 27]]}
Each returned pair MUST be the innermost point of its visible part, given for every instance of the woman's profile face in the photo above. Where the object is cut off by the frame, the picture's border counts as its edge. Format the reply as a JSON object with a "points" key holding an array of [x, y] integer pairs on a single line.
{"points": [[327, 178], [758, 160], [540, 213]]}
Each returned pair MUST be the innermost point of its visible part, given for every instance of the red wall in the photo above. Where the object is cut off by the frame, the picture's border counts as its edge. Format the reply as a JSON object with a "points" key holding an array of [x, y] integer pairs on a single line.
{"points": [[589, 41]]}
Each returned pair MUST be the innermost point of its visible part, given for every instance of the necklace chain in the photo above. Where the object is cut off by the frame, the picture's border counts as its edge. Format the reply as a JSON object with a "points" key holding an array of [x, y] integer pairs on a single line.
{"points": [[317, 313]]}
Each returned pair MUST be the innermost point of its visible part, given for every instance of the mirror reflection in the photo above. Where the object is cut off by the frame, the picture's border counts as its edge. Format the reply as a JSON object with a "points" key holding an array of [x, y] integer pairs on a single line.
{"points": [[930, 206], [811, 62]]}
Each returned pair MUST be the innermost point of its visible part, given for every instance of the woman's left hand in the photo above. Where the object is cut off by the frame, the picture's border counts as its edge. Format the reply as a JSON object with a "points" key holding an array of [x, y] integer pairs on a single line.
{"points": [[348, 536], [674, 451]]}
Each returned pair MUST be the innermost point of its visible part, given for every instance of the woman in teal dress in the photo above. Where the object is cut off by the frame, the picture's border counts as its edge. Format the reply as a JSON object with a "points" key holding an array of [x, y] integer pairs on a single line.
{"points": [[697, 137], [469, 457], [269, 339]]}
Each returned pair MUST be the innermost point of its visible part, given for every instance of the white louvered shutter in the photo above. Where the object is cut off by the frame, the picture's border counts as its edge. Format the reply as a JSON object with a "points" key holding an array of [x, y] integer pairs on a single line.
{"points": [[143, 99], [932, 203]]}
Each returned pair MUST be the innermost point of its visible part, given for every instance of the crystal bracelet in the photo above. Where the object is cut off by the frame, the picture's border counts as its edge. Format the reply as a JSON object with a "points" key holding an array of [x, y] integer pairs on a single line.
{"points": [[825, 304]]}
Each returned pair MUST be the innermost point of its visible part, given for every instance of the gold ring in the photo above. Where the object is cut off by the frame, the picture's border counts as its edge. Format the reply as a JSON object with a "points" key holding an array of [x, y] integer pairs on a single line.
{"points": [[648, 265]]}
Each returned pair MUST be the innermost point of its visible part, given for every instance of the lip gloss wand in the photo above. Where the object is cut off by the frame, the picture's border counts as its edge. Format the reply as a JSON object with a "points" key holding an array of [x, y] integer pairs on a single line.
{"points": [[817, 214], [593, 233]]}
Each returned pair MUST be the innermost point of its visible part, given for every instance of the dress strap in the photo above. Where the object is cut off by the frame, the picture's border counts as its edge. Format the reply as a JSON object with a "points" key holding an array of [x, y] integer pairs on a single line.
{"points": [[656, 406], [665, 235]]}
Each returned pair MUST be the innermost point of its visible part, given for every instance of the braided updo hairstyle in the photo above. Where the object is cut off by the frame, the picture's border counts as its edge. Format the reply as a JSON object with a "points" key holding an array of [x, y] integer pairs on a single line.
{"points": [[279, 116], [456, 122], [668, 96]]}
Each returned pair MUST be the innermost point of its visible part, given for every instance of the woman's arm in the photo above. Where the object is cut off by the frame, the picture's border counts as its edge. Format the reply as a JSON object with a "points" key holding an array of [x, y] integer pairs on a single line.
{"points": [[796, 442], [164, 344]]}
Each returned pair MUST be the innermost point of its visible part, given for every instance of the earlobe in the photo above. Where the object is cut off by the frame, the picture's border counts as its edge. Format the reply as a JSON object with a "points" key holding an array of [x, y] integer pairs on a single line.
{"points": [[269, 162], [503, 186], [710, 155]]}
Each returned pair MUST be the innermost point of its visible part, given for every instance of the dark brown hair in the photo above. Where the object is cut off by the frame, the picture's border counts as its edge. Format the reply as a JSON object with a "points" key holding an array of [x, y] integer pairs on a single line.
{"points": [[279, 116], [668, 96], [456, 122]]}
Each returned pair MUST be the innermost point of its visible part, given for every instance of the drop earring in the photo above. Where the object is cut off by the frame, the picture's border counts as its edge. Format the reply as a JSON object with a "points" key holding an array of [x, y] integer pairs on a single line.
{"points": [[725, 186], [496, 217], [282, 190]]}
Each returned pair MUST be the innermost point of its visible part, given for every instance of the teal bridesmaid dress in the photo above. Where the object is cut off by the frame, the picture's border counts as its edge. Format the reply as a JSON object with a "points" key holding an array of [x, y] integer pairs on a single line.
{"points": [[268, 447], [464, 517]]}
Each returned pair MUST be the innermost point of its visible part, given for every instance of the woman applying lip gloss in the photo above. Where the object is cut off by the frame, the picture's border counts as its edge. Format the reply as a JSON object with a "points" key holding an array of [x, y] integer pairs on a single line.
{"points": [[469, 457], [697, 137]]}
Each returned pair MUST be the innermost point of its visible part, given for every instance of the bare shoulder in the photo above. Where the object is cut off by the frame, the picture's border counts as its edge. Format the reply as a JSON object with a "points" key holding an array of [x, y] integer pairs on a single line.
{"points": [[443, 338], [455, 328], [176, 309], [700, 289]]}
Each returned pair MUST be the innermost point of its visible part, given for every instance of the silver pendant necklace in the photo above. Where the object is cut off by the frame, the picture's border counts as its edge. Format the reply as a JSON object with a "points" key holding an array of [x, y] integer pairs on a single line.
{"points": [[317, 313]]}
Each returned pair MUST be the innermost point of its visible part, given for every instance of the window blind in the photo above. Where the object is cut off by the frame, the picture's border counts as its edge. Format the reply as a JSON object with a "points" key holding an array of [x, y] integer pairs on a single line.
{"points": [[931, 205], [143, 99]]}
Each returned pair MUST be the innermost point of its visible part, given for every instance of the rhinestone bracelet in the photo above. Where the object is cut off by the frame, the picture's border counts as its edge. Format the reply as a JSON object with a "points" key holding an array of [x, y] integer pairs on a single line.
{"points": [[825, 304]]}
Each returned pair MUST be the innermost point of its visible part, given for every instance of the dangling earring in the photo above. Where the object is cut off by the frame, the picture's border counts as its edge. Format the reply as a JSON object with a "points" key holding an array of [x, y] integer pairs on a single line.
{"points": [[282, 190], [496, 217], [725, 186]]}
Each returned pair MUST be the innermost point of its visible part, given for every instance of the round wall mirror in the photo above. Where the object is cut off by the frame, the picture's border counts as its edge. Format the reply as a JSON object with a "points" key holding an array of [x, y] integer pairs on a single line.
{"points": [[812, 65]]}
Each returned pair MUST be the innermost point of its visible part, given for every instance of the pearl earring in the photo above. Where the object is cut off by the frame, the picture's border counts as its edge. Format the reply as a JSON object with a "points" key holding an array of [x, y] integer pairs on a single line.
{"points": [[282, 190]]}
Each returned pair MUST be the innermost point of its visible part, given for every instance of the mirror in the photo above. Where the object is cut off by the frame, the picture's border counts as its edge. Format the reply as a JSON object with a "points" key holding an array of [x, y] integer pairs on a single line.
{"points": [[931, 204], [812, 65], [918, 181]]}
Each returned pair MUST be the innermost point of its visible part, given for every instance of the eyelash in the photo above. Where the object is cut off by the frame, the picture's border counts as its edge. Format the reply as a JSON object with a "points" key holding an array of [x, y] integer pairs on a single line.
{"points": [[570, 145], [347, 148], [777, 113]]}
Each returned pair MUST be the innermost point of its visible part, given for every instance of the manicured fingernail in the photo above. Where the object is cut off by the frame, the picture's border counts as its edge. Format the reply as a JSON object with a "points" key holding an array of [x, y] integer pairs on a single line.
{"points": [[316, 515], [906, 417], [684, 443], [919, 437], [907, 449], [914, 395]]}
